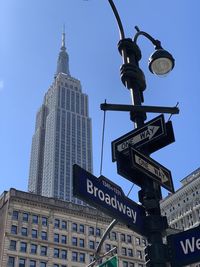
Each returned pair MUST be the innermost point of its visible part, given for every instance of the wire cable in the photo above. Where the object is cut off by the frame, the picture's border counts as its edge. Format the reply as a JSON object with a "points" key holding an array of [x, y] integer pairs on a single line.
{"points": [[102, 142]]}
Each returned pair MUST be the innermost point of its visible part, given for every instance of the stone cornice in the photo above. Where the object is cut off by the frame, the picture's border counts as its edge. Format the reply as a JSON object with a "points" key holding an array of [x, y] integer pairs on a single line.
{"points": [[57, 205], [181, 192]]}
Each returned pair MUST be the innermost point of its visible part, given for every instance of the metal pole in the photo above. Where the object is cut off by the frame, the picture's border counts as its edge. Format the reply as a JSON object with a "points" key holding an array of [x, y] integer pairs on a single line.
{"points": [[150, 194]]}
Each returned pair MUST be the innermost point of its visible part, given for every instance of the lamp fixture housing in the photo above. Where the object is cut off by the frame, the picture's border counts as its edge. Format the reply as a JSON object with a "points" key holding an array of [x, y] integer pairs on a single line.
{"points": [[161, 62]]}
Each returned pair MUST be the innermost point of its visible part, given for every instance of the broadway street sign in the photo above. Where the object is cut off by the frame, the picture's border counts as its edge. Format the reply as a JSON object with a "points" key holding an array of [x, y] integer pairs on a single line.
{"points": [[184, 247], [151, 169], [108, 197], [154, 135]]}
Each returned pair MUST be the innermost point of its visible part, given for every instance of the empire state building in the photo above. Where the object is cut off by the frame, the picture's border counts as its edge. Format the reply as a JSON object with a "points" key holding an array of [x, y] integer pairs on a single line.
{"points": [[62, 137]]}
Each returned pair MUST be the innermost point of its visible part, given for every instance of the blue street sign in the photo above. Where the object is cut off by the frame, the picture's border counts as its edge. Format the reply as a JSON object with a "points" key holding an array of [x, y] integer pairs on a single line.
{"points": [[154, 135], [108, 197], [184, 247]]}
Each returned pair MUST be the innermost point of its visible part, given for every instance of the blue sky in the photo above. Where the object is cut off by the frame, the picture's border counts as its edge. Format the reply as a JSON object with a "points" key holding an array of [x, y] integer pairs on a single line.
{"points": [[30, 40]]}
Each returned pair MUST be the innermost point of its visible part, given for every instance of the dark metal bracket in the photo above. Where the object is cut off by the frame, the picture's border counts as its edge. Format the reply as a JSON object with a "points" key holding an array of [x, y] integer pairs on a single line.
{"points": [[140, 109]]}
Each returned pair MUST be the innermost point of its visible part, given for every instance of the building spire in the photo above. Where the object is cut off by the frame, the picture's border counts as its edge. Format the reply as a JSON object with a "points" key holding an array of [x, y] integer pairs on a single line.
{"points": [[63, 38], [63, 58]]}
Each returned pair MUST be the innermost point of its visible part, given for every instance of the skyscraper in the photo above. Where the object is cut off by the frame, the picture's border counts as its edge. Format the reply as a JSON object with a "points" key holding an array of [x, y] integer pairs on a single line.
{"points": [[62, 135]]}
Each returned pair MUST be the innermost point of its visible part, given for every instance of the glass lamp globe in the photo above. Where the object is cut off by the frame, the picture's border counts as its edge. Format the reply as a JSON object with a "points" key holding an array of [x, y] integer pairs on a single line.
{"points": [[161, 62]]}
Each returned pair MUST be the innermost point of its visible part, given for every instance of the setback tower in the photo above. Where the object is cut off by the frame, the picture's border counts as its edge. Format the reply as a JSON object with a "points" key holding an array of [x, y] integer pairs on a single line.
{"points": [[62, 137]]}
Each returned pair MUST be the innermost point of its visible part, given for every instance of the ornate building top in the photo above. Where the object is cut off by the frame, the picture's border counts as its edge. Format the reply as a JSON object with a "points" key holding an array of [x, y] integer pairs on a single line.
{"points": [[63, 59]]}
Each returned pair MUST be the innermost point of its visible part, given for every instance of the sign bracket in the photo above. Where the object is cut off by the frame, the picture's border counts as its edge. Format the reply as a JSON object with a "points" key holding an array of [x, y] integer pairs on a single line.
{"points": [[140, 109]]}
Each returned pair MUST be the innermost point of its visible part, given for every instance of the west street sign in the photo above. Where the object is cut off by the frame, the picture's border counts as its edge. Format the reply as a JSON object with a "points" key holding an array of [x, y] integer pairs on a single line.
{"points": [[184, 247]]}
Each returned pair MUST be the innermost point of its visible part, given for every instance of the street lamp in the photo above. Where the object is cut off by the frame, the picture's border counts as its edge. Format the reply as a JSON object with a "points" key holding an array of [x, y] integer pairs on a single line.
{"points": [[161, 62]]}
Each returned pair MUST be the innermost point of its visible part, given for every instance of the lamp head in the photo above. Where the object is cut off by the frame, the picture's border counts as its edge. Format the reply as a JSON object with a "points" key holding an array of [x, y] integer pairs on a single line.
{"points": [[161, 62]]}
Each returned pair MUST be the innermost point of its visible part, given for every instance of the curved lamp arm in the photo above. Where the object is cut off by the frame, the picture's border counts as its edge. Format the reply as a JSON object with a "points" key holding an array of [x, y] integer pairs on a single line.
{"points": [[121, 29], [155, 42]]}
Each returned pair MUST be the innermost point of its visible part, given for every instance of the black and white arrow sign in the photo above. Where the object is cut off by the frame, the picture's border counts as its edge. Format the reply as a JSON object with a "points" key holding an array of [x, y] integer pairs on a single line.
{"points": [[146, 135], [149, 133], [151, 168]]}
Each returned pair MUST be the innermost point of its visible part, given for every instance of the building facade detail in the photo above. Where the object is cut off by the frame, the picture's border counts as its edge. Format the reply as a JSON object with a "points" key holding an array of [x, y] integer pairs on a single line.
{"points": [[183, 207], [37, 231]]}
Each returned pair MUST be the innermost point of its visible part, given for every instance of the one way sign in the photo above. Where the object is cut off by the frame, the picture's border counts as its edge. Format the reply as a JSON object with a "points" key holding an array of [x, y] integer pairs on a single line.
{"points": [[151, 168], [155, 134]]}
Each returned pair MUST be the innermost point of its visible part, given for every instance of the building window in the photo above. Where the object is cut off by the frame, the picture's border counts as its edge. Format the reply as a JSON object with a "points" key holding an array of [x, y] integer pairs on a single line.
{"points": [[74, 256], [98, 232], [82, 257], [81, 243], [64, 225], [56, 238], [35, 219], [130, 252], [124, 251], [24, 231], [129, 239], [74, 227], [107, 247], [113, 236], [91, 230], [57, 223], [33, 249], [143, 242], [91, 244], [64, 239], [44, 221], [56, 253], [131, 264], [34, 233], [25, 217], [74, 241], [123, 237], [43, 264], [32, 263], [23, 247], [43, 250], [137, 241], [81, 228], [64, 254], [22, 262], [15, 215], [13, 244], [14, 229], [97, 243], [139, 254], [44, 235], [11, 261], [91, 258]]}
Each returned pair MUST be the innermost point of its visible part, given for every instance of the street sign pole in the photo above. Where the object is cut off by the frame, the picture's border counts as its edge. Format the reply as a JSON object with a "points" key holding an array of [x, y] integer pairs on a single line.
{"points": [[150, 193]]}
